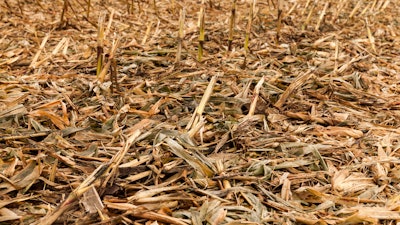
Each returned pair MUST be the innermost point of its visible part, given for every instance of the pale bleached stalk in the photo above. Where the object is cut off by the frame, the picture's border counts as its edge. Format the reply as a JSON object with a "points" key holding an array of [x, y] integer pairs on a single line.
{"points": [[36, 57], [196, 117], [255, 97], [232, 24], [181, 35]]}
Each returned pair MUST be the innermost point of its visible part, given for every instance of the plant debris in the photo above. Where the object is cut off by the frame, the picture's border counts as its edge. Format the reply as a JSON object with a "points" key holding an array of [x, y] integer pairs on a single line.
{"points": [[199, 112]]}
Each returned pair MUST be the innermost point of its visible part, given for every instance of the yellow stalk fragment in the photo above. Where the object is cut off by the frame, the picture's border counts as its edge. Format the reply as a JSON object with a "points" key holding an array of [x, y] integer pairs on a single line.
{"points": [[201, 31], [181, 35], [248, 28]]}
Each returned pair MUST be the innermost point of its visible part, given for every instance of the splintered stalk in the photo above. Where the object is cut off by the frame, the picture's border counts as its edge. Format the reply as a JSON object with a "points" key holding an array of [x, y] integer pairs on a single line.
{"points": [[248, 28], [88, 9], [111, 57], [181, 35], [100, 44], [231, 24], [201, 30], [76, 194], [195, 122], [255, 97], [279, 21]]}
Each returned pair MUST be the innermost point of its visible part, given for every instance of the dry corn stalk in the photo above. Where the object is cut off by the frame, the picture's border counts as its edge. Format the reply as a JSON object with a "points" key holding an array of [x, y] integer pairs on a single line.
{"points": [[110, 58], [100, 44], [192, 126], [181, 35], [279, 22], [248, 28], [201, 31], [232, 24]]}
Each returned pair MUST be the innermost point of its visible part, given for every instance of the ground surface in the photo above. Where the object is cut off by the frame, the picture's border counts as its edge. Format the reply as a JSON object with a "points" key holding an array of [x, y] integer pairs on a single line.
{"points": [[301, 128]]}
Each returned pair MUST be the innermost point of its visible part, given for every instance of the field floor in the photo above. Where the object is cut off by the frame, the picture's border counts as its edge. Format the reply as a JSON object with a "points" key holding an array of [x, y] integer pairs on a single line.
{"points": [[189, 112]]}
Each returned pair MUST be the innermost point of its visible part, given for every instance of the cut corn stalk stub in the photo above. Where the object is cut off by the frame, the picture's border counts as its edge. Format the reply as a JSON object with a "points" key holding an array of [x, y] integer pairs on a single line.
{"points": [[232, 24], [201, 31], [100, 44]]}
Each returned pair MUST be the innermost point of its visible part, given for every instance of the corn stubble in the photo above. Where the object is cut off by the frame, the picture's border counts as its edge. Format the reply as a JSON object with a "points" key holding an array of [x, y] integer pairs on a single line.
{"points": [[201, 31], [232, 24], [200, 138]]}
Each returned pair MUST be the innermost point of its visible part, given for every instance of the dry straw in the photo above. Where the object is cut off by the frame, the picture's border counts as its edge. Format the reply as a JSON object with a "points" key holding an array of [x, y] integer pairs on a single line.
{"points": [[134, 112]]}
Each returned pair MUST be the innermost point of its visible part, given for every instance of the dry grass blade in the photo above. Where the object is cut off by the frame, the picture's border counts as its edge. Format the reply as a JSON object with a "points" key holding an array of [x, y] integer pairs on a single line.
{"points": [[145, 214], [297, 83], [108, 169], [37, 55], [154, 191], [74, 195], [196, 162], [14, 110], [133, 135], [24, 179]]}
